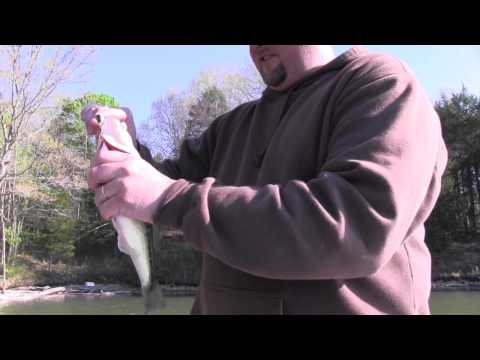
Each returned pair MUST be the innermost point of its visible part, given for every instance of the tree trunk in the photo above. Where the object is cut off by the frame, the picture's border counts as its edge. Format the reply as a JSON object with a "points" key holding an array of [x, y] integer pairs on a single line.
{"points": [[477, 184], [471, 194], [14, 223], [460, 186], [86, 147], [4, 247]]}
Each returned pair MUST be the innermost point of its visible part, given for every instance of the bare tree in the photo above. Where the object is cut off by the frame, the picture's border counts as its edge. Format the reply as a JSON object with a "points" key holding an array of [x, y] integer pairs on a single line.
{"points": [[29, 76], [238, 85], [177, 114], [170, 116]]}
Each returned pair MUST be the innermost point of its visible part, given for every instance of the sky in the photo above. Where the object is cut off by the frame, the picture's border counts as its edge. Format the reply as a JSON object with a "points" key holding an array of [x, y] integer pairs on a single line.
{"points": [[138, 75]]}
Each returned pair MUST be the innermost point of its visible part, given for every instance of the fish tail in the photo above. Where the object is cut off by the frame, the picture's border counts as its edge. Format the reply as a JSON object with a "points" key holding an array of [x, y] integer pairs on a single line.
{"points": [[154, 299]]}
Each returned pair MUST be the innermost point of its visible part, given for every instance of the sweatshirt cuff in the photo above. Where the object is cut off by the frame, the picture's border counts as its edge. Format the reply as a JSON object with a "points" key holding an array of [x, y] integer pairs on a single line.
{"points": [[174, 203]]}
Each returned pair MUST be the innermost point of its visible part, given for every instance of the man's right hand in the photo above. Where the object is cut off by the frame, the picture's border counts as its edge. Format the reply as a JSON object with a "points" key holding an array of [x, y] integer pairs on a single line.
{"points": [[89, 113]]}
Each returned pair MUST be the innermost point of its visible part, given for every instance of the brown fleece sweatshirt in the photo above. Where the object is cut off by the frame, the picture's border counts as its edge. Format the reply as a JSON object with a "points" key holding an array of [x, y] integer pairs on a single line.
{"points": [[313, 200]]}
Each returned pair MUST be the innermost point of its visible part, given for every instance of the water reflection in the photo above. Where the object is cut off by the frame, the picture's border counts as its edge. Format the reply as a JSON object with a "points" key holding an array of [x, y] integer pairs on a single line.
{"points": [[442, 303], [95, 305]]}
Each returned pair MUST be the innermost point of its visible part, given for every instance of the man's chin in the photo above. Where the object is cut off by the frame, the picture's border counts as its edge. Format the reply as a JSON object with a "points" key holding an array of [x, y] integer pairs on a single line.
{"points": [[277, 85], [274, 82]]}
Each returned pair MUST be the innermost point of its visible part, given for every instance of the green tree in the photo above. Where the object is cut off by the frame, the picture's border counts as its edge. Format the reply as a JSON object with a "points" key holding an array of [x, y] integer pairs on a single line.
{"points": [[92, 234], [68, 127], [55, 239], [62, 221], [210, 104], [456, 216]]}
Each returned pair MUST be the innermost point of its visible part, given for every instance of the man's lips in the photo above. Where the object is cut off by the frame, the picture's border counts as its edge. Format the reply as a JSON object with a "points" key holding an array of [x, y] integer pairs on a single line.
{"points": [[266, 57], [264, 54]]}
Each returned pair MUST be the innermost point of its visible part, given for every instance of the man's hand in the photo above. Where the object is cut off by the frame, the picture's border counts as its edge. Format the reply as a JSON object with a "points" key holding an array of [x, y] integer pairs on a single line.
{"points": [[89, 113], [125, 184]]}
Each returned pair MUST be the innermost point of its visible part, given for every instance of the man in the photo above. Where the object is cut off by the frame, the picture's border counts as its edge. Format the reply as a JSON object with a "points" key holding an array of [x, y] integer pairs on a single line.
{"points": [[310, 200]]}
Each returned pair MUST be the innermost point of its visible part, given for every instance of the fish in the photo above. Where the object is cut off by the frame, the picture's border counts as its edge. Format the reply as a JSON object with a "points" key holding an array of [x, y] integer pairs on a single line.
{"points": [[133, 238]]}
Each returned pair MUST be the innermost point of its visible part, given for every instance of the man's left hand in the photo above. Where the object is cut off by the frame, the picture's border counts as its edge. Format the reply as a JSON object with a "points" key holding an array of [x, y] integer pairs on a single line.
{"points": [[127, 185]]}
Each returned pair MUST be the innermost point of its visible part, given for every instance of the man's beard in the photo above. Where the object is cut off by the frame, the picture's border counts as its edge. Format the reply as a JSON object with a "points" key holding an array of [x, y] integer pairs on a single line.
{"points": [[275, 77]]}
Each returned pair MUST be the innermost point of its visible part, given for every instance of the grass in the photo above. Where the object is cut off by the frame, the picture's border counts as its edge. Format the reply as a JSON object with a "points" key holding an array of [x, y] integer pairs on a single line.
{"points": [[458, 262], [28, 271]]}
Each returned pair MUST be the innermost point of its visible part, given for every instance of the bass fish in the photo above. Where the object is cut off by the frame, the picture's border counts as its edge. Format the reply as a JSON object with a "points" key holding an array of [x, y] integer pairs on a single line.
{"points": [[132, 234]]}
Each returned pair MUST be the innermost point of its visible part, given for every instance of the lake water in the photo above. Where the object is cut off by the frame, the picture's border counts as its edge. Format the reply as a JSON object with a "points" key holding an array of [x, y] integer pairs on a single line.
{"points": [[442, 303], [95, 305]]}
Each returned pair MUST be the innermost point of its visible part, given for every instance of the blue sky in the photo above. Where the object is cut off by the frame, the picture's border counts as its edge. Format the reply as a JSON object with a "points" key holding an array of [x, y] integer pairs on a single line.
{"points": [[138, 75]]}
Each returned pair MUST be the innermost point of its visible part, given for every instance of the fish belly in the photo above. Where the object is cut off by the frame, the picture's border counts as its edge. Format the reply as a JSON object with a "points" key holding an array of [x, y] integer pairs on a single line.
{"points": [[133, 241]]}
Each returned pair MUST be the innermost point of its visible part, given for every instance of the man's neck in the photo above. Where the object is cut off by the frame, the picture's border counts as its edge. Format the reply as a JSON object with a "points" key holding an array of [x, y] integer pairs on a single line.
{"points": [[322, 58]]}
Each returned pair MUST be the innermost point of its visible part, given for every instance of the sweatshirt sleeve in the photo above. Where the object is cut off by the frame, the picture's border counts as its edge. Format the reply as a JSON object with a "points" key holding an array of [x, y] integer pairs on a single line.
{"points": [[350, 219]]}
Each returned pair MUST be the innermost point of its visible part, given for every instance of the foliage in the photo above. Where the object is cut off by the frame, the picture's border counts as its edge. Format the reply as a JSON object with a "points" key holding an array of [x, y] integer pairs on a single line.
{"points": [[456, 217], [69, 129], [62, 225], [181, 114], [61, 207]]}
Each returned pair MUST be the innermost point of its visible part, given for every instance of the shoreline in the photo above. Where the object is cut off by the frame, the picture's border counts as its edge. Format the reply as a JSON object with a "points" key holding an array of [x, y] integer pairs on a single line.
{"points": [[455, 285], [34, 293]]}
